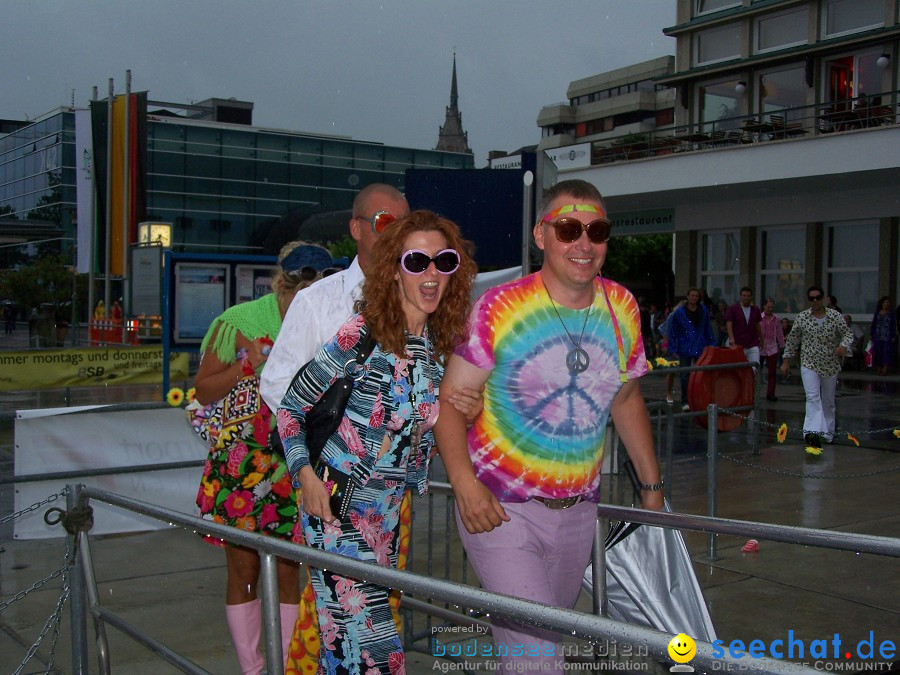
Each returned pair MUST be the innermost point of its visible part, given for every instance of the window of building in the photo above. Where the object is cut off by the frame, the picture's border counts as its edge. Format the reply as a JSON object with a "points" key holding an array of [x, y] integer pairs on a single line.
{"points": [[782, 269], [851, 16], [783, 29], [853, 76], [781, 90], [718, 44], [851, 269], [720, 257], [704, 6], [719, 105]]}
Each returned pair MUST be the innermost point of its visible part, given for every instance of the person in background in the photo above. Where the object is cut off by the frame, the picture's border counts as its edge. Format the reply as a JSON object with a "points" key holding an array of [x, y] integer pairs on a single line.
{"points": [[664, 330], [832, 304], [245, 482], [884, 335], [859, 341], [414, 304], [822, 338], [689, 334], [771, 346], [743, 320], [720, 323]]}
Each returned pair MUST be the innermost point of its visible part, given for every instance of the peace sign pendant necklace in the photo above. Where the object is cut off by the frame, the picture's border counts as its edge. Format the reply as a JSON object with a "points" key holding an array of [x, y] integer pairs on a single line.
{"points": [[577, 360]]}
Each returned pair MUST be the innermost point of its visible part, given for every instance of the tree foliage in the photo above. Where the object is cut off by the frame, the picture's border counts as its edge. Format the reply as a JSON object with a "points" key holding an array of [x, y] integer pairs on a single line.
{"points": [[642, 263], [345, 247], [48, 281]]}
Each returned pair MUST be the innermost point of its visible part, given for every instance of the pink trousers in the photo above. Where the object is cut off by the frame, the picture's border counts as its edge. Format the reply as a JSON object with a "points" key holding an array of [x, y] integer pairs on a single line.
{"points": [[540, 555]]}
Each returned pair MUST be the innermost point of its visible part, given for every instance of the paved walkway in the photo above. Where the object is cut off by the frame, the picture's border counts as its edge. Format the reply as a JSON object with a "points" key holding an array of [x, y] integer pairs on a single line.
{"points": [[171, 584]]}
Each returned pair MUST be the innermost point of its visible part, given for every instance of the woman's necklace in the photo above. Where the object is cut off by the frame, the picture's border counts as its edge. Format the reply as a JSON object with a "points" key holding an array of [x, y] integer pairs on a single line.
{"points": [[577, 360]]}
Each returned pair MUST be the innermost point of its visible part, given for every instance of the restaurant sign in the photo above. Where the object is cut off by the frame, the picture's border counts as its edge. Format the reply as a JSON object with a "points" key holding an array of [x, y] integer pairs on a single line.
{"points": [[643, 222]]}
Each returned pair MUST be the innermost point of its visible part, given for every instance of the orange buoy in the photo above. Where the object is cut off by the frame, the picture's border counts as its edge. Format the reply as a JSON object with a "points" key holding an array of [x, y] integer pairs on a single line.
{"points": [[727, 388]]}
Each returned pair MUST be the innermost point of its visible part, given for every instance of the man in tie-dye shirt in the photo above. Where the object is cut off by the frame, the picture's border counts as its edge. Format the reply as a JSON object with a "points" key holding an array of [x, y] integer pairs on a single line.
{"points": [[557, 352]]}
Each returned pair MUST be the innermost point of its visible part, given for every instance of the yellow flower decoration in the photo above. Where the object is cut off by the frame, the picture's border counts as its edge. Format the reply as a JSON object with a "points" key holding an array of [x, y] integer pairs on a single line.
{"points": [[175, 397], [191, 394], [649, 366], [251, 479], [815, 452], [782, 433], [897, 433], [664, 363], [853, 439]]}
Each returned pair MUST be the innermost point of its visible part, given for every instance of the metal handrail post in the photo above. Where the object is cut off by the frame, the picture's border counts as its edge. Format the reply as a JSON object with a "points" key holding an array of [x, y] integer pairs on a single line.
{"points": [[670, 449], [268, 582], [712, 431], [757, 376], [78, 606], [93, 596], [598, 567]]}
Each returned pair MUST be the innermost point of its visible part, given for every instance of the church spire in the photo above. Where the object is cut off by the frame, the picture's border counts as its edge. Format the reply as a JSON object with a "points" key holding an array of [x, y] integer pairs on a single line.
{"points": [[451, 137]]}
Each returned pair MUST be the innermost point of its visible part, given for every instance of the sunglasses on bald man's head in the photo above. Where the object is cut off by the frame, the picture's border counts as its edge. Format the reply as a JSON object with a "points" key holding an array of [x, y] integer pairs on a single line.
{"points": [[568, 230], [416, 262], [379, 221]]}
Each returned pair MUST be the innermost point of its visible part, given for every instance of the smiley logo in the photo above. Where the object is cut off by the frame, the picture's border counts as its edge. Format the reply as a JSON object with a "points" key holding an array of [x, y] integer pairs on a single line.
{"points": [[682, 648]]}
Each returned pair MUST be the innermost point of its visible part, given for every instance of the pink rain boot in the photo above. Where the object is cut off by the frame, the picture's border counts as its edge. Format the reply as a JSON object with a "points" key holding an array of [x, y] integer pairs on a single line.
{"points": [[289, 615], [244, 624]]}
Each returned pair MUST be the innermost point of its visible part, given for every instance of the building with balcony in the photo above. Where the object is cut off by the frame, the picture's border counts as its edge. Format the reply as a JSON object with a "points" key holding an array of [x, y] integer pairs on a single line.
{"points": [[610, 105], [780, 166]]}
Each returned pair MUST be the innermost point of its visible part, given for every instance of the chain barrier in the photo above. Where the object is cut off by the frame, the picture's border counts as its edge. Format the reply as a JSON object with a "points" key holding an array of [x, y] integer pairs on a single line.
{"points": [[800, 474], [77, 520], [771, 425], [34, 507], [781, 434]]}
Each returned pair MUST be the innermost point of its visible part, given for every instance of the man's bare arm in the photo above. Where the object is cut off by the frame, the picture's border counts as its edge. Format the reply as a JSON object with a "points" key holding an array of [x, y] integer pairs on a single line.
{"points": [[478, 507], [629, 413]]}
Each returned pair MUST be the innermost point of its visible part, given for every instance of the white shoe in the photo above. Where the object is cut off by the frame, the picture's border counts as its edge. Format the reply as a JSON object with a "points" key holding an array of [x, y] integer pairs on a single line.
{"points": [[670, 400], [685, 407]]}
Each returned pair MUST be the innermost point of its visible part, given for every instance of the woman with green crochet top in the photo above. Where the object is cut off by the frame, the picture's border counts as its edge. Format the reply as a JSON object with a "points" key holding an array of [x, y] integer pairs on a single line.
{"points": [[245, 482]]}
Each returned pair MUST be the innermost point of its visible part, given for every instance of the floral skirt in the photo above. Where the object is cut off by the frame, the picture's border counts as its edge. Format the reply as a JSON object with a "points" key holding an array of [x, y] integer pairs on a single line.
{"points": [[246, 484]]}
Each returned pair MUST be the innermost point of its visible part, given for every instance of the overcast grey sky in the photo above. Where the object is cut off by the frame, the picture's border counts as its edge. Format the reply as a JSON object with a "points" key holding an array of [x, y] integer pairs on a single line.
{"points": [[375, 71]]}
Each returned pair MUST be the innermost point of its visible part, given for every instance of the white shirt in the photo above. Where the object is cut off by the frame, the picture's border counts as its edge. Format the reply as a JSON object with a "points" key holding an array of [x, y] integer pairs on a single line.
{"points": [[313, 319]]}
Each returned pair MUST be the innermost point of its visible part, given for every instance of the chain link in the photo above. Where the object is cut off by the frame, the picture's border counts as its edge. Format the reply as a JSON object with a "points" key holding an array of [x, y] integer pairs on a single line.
{"points": [[800, 474], [34, 507], [55, 619], [772, 425]]}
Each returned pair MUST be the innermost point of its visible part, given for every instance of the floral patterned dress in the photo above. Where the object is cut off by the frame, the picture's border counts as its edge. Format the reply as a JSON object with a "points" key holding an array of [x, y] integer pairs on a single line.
{"points": [[245, 483], [396, 396]]}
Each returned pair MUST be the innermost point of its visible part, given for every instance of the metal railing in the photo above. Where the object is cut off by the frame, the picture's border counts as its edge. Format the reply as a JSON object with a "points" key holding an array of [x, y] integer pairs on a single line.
{"points": [[418, 586], [864, 112]]}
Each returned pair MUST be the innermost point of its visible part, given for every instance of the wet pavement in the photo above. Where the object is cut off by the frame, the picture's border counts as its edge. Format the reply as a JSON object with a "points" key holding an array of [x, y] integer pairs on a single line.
{"points": [[171, 584]]}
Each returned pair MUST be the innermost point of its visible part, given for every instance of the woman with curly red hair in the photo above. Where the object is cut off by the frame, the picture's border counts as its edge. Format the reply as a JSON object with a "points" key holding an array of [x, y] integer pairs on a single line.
{"points": [[415, 304]]}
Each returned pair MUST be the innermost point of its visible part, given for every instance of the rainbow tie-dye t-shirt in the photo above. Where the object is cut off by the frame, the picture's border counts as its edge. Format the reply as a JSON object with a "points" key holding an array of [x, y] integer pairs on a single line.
{"points": [[542, 429]]}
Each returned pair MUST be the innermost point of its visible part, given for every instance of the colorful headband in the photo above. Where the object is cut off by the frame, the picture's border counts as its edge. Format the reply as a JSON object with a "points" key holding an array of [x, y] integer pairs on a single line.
{"points": [[570, 208]]}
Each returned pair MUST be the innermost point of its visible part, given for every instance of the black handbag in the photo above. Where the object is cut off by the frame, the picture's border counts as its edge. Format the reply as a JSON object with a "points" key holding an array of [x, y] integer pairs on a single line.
{"points": [[340, 487], [323, 419]]}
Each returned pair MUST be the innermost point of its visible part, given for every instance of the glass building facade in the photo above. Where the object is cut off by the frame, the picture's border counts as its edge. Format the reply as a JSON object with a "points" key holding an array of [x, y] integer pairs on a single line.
{"points": [[37, 177], [222, 186]]}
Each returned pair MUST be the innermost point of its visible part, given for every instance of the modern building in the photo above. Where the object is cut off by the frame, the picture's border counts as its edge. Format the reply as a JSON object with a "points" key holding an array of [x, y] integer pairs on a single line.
{"points": [[224, 185], [780, 167], [611, 105]]}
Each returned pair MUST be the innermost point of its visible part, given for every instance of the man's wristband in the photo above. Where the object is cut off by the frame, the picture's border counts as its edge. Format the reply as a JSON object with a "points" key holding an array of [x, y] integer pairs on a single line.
{"points": [[653, 487]]}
